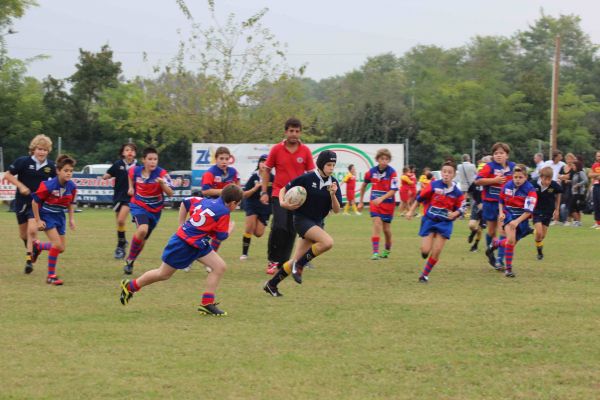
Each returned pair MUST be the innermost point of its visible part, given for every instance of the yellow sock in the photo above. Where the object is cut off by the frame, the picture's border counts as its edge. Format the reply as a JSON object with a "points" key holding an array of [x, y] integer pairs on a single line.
{"points": [[287, 267], [247, 235], [121, 229], [314, 250], [346, 207], [354, 208], [539, 244]]}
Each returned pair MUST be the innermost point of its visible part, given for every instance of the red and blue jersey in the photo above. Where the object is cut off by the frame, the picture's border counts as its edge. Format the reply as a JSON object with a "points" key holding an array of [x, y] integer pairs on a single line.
{"points": [[147, 192], [216, 178], [518, 200], [209, 219], [494, 170], [382, 182], [190, 203], [53, 197], [439, 200]]}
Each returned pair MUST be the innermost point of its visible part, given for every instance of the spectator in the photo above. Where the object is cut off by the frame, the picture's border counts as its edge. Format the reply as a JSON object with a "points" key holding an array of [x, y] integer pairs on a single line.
{"points": [[556, 164], [466, 173], [594, 176], [538, 159], [579, 182], [565, 177]]}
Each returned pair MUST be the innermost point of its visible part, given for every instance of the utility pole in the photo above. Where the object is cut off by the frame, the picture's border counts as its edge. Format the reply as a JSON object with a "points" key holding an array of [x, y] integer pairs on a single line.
{"points": [[473, 160], [554, 111], [59, 145], [406, 159]]}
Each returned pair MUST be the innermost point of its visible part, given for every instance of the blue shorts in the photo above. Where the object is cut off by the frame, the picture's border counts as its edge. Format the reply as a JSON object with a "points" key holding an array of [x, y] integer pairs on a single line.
{"points": [[303, 224], [490, 210], [523, 229], [387, 218], [142, 216], [442, 227], [24, 213], [262, 213], [179, 255], [55, 220]]}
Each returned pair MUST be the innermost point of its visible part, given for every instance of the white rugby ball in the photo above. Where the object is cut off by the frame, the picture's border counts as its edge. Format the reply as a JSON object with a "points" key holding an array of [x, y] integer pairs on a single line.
{"points": [[295, 196]]}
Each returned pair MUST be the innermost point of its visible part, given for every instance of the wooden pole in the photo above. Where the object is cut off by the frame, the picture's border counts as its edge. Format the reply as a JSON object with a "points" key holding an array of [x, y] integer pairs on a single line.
{"points": [[554, 111]]}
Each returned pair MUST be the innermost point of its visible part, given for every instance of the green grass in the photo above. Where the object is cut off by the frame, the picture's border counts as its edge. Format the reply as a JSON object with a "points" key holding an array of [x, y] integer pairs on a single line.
{"points": [[356, 329]]}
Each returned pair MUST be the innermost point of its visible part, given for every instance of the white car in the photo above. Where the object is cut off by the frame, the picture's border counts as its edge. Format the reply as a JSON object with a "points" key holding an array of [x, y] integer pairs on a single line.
{"points": [[95, 169]]}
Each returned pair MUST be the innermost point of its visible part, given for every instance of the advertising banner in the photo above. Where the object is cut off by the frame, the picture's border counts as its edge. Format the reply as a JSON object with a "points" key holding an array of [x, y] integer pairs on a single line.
{"points": [[7, 190], [245, 158]]}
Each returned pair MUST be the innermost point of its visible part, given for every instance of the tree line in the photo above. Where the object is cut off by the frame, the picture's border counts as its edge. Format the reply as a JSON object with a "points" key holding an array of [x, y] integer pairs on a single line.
{"points": [[493, 88]]}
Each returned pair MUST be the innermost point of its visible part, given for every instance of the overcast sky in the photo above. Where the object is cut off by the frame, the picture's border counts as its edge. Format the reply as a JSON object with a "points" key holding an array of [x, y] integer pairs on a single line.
{"points": [[331, 36]]}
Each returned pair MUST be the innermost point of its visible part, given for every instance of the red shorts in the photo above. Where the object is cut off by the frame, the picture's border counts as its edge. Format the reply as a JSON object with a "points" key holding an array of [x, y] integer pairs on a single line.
{"points": [[350, 195], [383, 208], [407, 194]]}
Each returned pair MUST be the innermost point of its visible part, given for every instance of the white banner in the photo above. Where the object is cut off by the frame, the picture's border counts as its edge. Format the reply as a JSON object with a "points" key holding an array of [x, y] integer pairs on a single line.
{"points": [[245, 158], [7, 189]]}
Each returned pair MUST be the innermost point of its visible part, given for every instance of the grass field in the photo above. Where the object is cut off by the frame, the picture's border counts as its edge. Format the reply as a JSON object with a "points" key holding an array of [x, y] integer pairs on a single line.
{"points": [[356, 329]]}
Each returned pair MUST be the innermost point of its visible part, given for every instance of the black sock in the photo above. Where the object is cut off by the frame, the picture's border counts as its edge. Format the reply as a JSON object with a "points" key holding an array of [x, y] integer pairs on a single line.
{"points": [[309, 255], [279, 276], [424, 255], [246, 244], [122, 240]]}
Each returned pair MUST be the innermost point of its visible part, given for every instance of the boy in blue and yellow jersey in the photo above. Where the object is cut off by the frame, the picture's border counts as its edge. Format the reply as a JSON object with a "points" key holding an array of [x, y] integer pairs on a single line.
{"points": [[50, 202], [147, 183], [209, 218]]}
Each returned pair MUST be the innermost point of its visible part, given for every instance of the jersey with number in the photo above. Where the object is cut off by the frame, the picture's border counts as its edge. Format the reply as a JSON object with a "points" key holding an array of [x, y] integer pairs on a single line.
{"points": [[54, 197], [209, 218], [494, 170], [439, 200], [147, 192], [216, 178], [518, 200], [189, 203]]}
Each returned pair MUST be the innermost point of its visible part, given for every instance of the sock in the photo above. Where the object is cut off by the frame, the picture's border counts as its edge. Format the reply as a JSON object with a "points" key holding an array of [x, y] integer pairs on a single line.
{"points": [[280, 275], [246, 243], [52, 259], [597, 222], [215, 244], [478, 235], [388, 245], [540, 246], [208, 298], [509, 255], [354, 208], [309, 255], [28, 256], [375, 243], [24, 242], [133, 286], [346, 207], [135, 249], [121, 236], [488, 239], [43, 246], [429, 266], [476, 243], [424, 255], [500, 257]]}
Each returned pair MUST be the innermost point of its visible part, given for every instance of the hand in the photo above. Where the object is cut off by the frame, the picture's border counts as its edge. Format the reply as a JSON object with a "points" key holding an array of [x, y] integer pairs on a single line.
{"points": [[500, 180], [231, 226], [360, 206], [513, 224], [377, 201], [555, 215], [409, 215], [41, 225], [501, 217], [130, 192], [453, 215], [288, 206], [72, 224], [160, 181], [25, 191], [333, 188], [264, 198], [257, 185]]}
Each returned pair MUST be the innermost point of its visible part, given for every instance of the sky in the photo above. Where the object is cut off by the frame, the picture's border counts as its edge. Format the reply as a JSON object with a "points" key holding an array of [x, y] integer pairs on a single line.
{"points": [[331, 37]]}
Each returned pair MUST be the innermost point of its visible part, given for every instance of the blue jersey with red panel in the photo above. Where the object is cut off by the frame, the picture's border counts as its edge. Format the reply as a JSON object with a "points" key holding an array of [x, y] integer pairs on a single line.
{"points": [[382, 181], [209, 218], [147, 192], [439, 200], [191, 202], [493, 170], [54, 197], [518, 200], [216, 178]]}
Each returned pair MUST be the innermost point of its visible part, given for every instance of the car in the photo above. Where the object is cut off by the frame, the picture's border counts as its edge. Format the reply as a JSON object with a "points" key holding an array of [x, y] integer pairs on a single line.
{"points": [[95, 169]]}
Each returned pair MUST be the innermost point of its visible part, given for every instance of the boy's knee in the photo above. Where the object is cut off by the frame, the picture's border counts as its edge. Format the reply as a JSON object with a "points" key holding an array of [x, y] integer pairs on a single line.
{"points": [[327, 244]]}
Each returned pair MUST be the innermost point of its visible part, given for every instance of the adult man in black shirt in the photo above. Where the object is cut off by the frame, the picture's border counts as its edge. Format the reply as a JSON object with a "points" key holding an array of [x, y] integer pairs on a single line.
{"points": [[26, 173]]}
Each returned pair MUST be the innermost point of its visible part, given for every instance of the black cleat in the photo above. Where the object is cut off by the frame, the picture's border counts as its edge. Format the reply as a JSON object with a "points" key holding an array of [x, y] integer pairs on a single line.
{"points": [[35, 252], [540, 256], [28, 267], [423, 279], [297, 273], [211, 309], [509, 274], [471, 236], [126, 294], [473, 248], [128, 268], [272, 291], [119, 253], [489, 252]]}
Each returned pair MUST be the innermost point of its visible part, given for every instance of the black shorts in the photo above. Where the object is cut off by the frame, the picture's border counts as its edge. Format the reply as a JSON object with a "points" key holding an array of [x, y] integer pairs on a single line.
{"points": [[302, 224], [543, 218], [24, 212], [262, 213], [118, 204], [577, 203]]}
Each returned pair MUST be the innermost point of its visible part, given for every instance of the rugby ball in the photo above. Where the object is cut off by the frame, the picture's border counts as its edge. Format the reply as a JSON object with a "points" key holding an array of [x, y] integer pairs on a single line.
{"points": [[295, 196]]}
